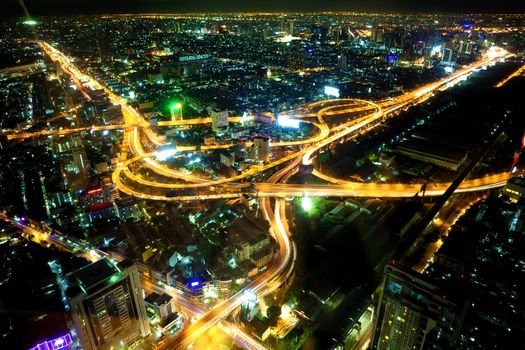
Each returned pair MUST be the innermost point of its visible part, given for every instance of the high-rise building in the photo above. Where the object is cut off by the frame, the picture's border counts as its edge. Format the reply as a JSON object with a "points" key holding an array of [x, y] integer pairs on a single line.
{"points": [[449, 57], [261, 148], [414, 313], [107, 306]]}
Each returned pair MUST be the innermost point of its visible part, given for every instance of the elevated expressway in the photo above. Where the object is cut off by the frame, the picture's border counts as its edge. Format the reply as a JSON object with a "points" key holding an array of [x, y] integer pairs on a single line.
{"points": [[135, 128]]}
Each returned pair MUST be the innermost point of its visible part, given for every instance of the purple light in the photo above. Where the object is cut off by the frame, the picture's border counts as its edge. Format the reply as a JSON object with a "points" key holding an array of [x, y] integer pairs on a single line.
{"points": [[55, 344]]}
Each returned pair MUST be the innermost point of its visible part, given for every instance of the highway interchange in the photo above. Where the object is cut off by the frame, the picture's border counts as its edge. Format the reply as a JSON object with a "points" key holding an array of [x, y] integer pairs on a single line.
{"points": [[139, 137]]}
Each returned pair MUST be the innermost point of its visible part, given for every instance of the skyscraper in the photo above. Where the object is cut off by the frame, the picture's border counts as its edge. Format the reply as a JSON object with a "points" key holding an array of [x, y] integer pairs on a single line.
{"points": [[413, 313], [107, 307]]}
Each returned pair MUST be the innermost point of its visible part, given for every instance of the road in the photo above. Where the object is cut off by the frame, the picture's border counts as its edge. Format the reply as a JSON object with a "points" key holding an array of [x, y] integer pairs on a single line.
{"points": [[136, 129]]}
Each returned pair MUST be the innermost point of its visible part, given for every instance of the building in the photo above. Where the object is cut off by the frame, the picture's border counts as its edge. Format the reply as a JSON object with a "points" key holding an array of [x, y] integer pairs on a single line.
{"points": [[249, 237], [342, 62], [176, 112], [159, 306], [41, 102], [107, 307], [183, 67], [261, 148], [377, 35], [101, 211], [113, 115], [291, 28], [227, 159], [219, 120], [98, 203], [249, 306], [96, 195], [449, 57], [515, 189], [440, 154], [414, 313], [160, 309], [128, 208]]}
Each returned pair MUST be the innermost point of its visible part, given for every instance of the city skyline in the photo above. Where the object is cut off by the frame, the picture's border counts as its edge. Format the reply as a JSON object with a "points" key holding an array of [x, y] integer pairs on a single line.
{"points": [[81, 7]]}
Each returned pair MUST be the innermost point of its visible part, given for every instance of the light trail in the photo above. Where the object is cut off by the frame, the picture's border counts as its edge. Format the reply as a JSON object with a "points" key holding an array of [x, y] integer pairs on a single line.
{"points": [[517, 73], [282, 265]]}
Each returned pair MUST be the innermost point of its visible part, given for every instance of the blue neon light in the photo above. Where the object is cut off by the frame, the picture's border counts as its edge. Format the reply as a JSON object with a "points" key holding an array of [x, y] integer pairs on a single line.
{"points": [[194, 284]]}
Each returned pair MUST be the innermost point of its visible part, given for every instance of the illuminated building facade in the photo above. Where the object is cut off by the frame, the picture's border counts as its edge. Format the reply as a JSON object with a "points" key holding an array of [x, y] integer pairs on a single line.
{"points": [[413, 313], [219, 119], [261, 148], [107, 307], [63, 342]]}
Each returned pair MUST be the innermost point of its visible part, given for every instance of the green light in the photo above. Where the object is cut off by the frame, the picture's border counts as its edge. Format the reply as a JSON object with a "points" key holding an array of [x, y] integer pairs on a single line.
{"points": [[30, 22], [176, 106], [307, 204], [114, 278]]}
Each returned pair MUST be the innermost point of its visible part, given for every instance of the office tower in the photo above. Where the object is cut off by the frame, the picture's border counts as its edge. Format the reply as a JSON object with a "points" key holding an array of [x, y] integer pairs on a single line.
{"points": [[413, 313], [261, 148], [107, 307]]}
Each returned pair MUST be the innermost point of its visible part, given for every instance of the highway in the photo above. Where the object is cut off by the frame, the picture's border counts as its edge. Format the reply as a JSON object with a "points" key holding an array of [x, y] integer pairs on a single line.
{"points": [[136, 129], [307, 152]]}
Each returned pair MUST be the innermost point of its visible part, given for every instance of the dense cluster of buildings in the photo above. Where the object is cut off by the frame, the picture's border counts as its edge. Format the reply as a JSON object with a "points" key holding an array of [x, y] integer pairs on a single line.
{"points": [[219, 67]]}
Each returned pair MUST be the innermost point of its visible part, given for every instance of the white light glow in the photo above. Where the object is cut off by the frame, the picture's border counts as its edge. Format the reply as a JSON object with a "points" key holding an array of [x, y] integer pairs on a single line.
{"points": [[331, 91], [165, 154], [287, 122]]}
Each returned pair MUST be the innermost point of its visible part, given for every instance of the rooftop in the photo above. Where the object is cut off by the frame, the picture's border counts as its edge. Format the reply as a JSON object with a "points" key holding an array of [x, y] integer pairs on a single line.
{"points": [[95, 273]]}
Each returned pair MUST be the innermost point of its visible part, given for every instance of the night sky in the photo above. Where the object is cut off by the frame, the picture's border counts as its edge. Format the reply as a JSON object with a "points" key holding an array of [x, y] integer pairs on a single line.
{"points": [[69, 7]]}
